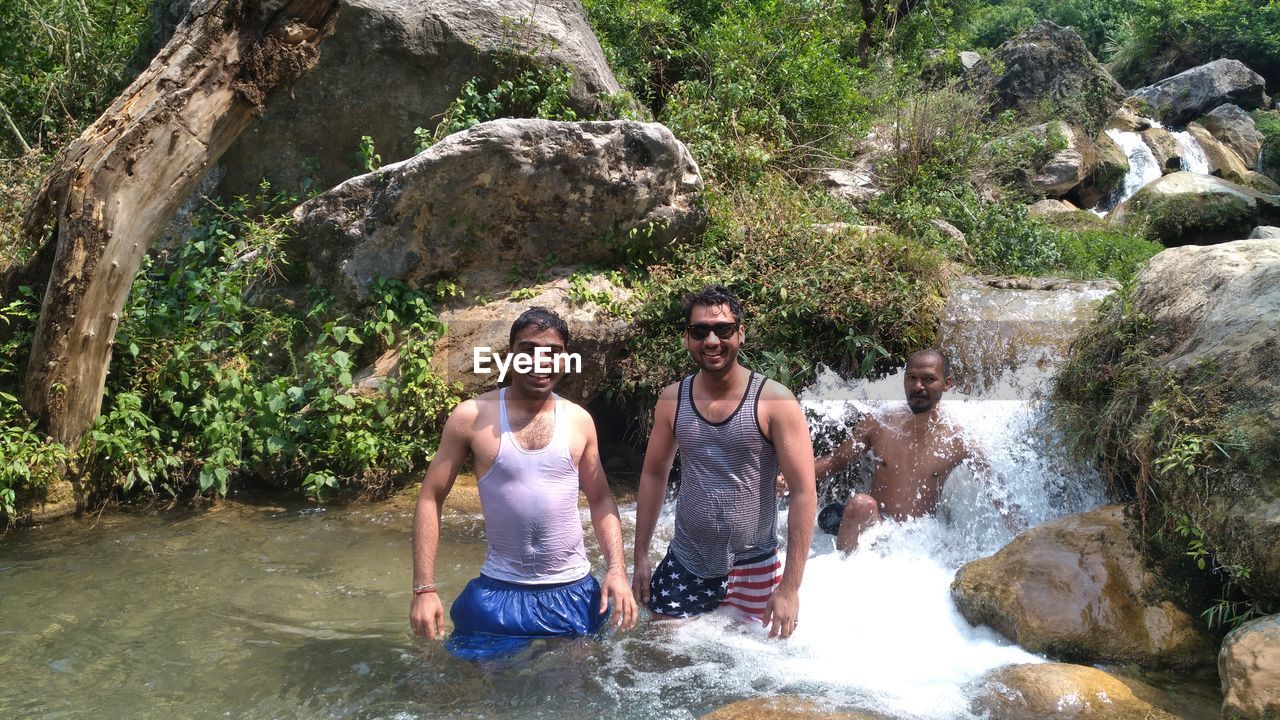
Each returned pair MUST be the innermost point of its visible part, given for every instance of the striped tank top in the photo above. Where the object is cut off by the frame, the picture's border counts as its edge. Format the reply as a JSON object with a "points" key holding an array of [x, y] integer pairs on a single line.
{"points": [[727, 507], [530, 502]]}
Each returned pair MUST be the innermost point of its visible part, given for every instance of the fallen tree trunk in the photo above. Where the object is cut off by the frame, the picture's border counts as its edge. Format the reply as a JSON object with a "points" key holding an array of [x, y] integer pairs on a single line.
{"points": [[113, 189]]}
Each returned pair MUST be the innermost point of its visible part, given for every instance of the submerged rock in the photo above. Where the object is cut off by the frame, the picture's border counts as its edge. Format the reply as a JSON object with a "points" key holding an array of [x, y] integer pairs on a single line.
{"points": [[1249, 666], [1182, 98], [1183, 208], [392, 66], [1069, 692], [501, 198], [1076, 589], [786, 708]]}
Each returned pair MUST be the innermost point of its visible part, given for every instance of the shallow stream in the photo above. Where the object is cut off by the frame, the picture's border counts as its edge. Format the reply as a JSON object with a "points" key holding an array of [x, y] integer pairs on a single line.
{"points": [[253, 611]]}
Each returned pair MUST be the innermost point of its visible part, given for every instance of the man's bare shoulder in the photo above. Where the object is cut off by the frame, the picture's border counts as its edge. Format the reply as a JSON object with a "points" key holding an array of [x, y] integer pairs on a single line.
{"points": [[468, 412], [577, 414], [773, 390]]}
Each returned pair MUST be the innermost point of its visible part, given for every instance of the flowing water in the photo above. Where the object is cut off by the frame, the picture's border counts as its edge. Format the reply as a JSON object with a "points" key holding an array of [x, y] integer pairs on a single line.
{"points": [[1143, 167], [251, 611]]}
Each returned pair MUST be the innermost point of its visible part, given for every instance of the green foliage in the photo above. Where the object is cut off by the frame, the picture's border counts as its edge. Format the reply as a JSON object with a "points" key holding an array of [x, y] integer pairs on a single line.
{"points": [[367, 157], [535, 91], [1268, 123], [991, 22], [63, 62], [853, 285]]}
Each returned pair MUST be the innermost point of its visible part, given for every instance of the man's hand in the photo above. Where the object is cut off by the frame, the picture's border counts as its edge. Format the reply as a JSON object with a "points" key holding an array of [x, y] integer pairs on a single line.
{"points": [[640, 579], [614, 590], [781, 613], [426, 616]]}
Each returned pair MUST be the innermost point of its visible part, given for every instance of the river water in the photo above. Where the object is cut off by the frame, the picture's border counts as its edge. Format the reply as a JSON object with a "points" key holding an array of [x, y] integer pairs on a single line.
{"points": [[268, 611]]}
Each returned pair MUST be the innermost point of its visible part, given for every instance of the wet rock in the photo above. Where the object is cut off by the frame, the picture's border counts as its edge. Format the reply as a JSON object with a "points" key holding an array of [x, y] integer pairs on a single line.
{"points": [[1076, 589], [1223, 161], [1219, 306], [1127, 119], [1048, 63], [1264, 231], [1107, 174], [501, 198], [1164, 146], [1182, 208], [1234, 128], [1249, 666], [392, 66], [1071, 692], [1182, 98], [786, 708]]}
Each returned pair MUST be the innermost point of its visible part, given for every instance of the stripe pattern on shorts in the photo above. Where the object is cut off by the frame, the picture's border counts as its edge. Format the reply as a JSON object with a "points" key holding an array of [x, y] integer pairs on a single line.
{"points": [[751, 584]]}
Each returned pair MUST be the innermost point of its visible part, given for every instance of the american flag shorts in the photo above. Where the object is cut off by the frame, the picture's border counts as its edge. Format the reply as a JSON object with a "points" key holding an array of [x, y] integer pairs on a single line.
{"points": [[676, 592]]}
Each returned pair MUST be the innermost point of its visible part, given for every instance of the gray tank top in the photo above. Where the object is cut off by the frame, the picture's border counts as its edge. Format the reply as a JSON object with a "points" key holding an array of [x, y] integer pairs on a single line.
{"points": [[727, 507]]}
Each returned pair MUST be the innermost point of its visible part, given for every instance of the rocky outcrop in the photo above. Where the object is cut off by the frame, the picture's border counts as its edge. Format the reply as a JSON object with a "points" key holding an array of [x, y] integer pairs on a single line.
{"points": [[392, 66], [1265, 231], [1076, 589], [1107, 174], [1249, 667], [1051, 65], [1186, 208], [1069, 165], [1219, 307], [1071, 692], [1234, 128], [1223, 161], [1182, 98], [499, 199]]}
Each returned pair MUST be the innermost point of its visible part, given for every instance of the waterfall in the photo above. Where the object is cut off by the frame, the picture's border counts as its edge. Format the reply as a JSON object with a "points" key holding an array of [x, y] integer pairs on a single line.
{"points": [[1193, 157], [1143, 168]]}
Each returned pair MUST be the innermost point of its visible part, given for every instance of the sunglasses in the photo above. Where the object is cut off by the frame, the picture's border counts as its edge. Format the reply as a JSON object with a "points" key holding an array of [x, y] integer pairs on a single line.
{"points": [[724, 330]]}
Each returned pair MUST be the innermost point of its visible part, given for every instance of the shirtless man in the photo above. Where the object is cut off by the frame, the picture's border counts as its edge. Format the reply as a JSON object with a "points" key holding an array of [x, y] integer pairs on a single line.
{"points": [[532, 452], [733, 429], [914, 452]]}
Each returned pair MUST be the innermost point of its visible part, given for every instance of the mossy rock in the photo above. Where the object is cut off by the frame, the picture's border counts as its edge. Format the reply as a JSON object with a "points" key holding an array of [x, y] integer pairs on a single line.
{"points": [[1185, 208]]}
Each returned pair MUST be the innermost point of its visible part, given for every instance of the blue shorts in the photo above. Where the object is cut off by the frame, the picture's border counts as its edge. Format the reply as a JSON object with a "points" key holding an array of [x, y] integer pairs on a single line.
{"points": [[492, 618]]}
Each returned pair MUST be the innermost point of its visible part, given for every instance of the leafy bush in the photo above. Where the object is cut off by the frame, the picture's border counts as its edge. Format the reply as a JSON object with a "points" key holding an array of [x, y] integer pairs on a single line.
{"points": [[64, 61]]}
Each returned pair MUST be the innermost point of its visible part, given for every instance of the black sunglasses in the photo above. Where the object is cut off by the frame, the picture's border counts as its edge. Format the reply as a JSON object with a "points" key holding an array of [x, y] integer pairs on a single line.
{"points": [[724, 330]]}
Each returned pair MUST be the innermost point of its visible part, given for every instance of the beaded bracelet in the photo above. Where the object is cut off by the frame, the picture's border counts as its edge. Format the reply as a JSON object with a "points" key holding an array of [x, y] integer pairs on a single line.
{"points": [[424, 589]]}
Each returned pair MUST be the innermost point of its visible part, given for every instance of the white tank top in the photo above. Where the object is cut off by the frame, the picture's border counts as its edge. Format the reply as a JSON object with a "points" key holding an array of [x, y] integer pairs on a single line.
{"points": [[530, 501]]}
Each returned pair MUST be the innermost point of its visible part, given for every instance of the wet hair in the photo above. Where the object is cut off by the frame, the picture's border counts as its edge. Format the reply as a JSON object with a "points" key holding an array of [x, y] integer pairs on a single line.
{"points": [[542, 319], [946, 362], [713, 296]]}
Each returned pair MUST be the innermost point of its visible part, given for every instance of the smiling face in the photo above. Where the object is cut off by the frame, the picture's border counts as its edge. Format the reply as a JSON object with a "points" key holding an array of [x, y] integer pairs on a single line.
{"points": [[713, 354], [924, 382], [527, 341]]}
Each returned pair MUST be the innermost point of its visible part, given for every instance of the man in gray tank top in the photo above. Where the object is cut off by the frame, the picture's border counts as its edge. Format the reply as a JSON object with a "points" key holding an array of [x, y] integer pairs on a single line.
{"points": [[734, 429]]}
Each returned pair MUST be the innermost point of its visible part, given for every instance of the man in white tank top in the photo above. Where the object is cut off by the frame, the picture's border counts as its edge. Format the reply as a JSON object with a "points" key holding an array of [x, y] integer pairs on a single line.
{"points": [[532, 452], [734, 429]]}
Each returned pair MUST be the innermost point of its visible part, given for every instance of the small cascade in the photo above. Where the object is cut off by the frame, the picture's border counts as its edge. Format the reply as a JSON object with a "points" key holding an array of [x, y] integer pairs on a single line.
{"points": [[1193, 157], [1143, 168]]}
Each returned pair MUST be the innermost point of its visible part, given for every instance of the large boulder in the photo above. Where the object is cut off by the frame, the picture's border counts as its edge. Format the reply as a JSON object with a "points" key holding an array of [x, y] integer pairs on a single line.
{"points": [[499, 199], [785, 707], [1073, 157], [1264, 232], [1067, 692], [1233, 127], [1182, 208], [1249, 668], [1223, 161], [1182, 98], [1218, 307], [1076, 588], [1166, 149], [1048, 65], [395, 65]]}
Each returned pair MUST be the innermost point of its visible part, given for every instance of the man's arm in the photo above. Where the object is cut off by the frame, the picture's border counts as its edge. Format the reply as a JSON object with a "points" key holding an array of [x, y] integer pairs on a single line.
{"points": [[849, 451], [426, 614], [658, 457], [608, 527], [789, 433]]}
